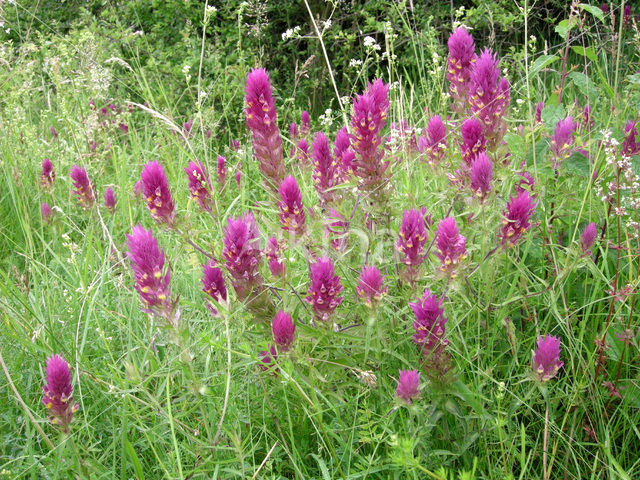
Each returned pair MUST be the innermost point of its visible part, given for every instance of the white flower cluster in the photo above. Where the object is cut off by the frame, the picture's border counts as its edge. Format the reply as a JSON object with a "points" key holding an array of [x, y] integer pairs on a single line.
{"points": [[291, 33], [326, 119], [355, 62], [370, 43]]}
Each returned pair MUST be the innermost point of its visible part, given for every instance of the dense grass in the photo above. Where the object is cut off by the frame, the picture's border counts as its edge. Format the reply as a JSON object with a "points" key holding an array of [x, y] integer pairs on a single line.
{"points": [[151, 402]]}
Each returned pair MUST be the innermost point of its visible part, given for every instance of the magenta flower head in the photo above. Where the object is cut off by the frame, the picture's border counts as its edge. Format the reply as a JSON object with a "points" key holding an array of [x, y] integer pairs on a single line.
{"points": [[305, 124], [586, 120], [268, 358], [83, 187], [369, 117], [588, 238], [539, 108], [371, 286], [435, 143], [147, 263], [630, 146], [324, 291], [429, 327], [222, 169], [155, 189], [274, 258], [546, 358], [412, 238], [562, 140], [292, 216], [57, 392], [46, 212], [110, 199], [302, 151], [337, 228], [293, 131], [481, 175], [238, 175], [451, 245], [462, 54], [213, 285], [516, 218], [343, 153], [199, 185], [242, 254], [283, 330], [489, 96], [526, 182], [473, 139], [326, 173], [260, 114], [408, 385], [48, 175]]}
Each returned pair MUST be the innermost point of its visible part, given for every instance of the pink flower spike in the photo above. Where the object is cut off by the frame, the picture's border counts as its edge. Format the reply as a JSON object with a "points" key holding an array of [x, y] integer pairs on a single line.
{"points": [[451, 245], [408, 385], [110, 199], [371, 287], [546, 358], [588, 238], [48, 175], [46, 212], [324, 291], [539, 108], [473, 140], [213, 282], [412, 238], [83, 187], [292, 216], [435, 143], [242, 254], [562, 140], [516, 218], [326, 173], [274, 259], [268, 358], [429, 327], [155, 189], [305, 124], [57, 393], [344, 154], [222, 169], [481, 175], [199, 185], [461, 58], [283, 330]]}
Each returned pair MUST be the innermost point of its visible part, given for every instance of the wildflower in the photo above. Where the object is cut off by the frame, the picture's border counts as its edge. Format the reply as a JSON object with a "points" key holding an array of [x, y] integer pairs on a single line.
{"points": [[337, 226], [461, 58], [222, 169], [274, 259], [371, 287], [186, 127], [235, 145], [344, 154], [147, 263], [368, 119], [435, 142], [213, 282], [539, 108], [83, 187], [124, 128], [155, 189], [489, 96], [260, 114], [588, 238], [324, 291], [137, 188], [408, 385], [93, 145], [238, 175], [305, 124], [473, 140], [46, 212], [48, 175], [481, 175], [526, 182], [268, 357], [546, 358], [561, 140], [412, 238], [57, 392], [451, 245], [110, 199], [199, 185], [302, 151], [283, 330], [292, 214], [429, 327], [53, 132], [242, 254], [326, 174], [586, 121], [516, 218], [293, 131], [630, 146]]}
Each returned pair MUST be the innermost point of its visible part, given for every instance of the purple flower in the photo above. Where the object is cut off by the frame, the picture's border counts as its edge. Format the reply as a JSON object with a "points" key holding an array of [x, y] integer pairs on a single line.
{"points": [[305, 124], [546, 358], [324, 291], [588, 238], [562, 140], [481, 175], [53, 132], [489, 96], [213, 285], [110, 199], [268, 358], [124, 128], [408, 385], [57, 392], [93, 145], [337, 227], [630, 146], [462, 55], [302, 151], [48, 175], [326, 173], [155, 189], [83, 187], [473, 140], [199, 185], [371, 287], [429, 327], [369, 117], [412, 238], [526, 182], [516, 218], [292, 215], [274, 259], [344, 154], [222, 169], [539, 108], [451, 245], [147, 263], [435, 143], [283, 330], [242, 254], [238, 175], [586, 121], [186, 127], [293, 131], [46, 212], [260, 114], [235, 145]]}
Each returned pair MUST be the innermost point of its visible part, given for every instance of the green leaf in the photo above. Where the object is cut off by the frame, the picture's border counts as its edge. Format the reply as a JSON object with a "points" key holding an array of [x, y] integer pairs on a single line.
{"points": [[541, 62], [585, 85], [588, 52], [131, 453], [515, 143], [579, 164], [552, 114], [323, 467], [563, 28], [595, 11]]}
